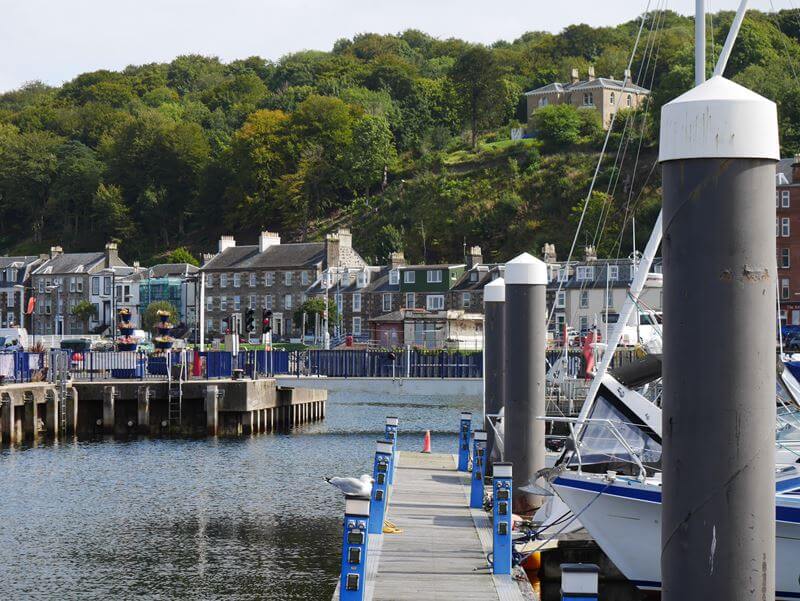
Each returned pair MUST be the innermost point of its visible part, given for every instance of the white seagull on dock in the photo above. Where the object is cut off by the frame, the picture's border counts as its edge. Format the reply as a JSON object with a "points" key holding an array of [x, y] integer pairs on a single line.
{"points": [[360, 487]]}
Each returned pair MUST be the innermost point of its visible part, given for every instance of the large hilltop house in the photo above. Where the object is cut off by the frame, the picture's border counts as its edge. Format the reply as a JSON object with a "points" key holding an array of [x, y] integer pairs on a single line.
{"points": [[605, 94]]}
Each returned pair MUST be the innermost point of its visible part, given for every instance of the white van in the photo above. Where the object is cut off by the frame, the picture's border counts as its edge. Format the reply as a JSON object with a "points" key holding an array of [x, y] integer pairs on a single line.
{"points": [[9, 335]]}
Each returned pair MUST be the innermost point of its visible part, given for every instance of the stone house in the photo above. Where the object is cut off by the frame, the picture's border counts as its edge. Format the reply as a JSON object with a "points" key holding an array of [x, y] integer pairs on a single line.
{"points": [[15, 286], [64, 279], [605, 94], [787, 247], [269, 276]]}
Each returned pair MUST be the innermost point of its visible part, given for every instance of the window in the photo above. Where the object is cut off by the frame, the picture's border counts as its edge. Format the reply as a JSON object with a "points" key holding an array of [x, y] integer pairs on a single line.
{"points": [[356, 302], [629, 101], [410, 300], [466, 300], [287, 301], [584, 324], [473, 276], [41, 287], [79, 285], [356, 326], [434, 276], [304, 278], [584, 299], [561, 299], [585, 273], [268, 302], [543, 101], [209, 303], [785, 258], [785, 199], [209, 325], [253, 280], [339, 297], [563, 274], [237, 280], [269, 278], [409, 277], [784, 227], [72, 284], [612, 98], [785, 288], [613, 273], [251, 301], [387, 303], [394, 277], [223, 303], [223, 280], [361, 279], [435, 302], [588, 99], [106, 285], [209, 280], [287, 278], [237, 303]]}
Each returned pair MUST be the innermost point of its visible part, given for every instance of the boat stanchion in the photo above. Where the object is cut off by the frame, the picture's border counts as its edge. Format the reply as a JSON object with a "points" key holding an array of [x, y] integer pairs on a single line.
{"points": [[579, 581], [501, 528], [479, 459], [463, 441], [354, 549], [381, 471], [390, 433]]}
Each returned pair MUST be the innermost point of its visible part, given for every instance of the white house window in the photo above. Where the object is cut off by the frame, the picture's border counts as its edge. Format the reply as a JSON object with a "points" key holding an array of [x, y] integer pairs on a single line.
{"points": [[466, 300], [209, 280], [106, 285], [435, 302], [585, 273], [237, 303], [209, 325], [434, 276], [410, 300], [304, 278], [387, 303], [394, 277], [287, 301], [561, 299], [563, 274], [784, 227], [588, 99], [629, 100], [785, 260], [361, 279], [209, 303], [237, 280], [409, 277], [356, 326], [287, 278], [251, 302], [72, 284], [356, 302], [473, 277], [613, 273], [268, 302], [223, 280], [223, 303], [785, 288], [584, 299], [252, 280], [785, 199], [339, 302]]}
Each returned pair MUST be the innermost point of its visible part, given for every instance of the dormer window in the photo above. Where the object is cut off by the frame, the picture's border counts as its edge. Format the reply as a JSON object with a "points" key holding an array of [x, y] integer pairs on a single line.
{"points": [[394, 277], [361, 280]]}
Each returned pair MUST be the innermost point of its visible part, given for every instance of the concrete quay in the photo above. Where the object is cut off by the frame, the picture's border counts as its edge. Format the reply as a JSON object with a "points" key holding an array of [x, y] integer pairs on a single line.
{"points": [[132, 407]]}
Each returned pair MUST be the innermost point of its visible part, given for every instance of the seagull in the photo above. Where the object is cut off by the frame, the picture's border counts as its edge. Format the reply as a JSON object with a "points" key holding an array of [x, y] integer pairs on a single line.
{"points": [[360, 487]]}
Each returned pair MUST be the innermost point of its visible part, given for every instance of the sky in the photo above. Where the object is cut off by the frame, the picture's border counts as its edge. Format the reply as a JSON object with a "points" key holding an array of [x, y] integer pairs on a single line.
{"points": [[55, 40]]}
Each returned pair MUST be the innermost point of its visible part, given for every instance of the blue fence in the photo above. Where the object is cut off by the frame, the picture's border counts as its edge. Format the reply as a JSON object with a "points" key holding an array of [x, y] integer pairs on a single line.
{"points": [[22, 366], [385, 364]]}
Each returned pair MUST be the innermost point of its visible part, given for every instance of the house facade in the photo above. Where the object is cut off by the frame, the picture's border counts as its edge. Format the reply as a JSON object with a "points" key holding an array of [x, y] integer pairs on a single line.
{"points": [[604, 94], [270, 276], [15, 284], [787, 243], [175, 283]]}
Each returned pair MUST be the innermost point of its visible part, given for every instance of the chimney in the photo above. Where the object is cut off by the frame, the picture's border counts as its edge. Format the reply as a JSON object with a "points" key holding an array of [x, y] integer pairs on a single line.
{"points": [[55, 251], [267, 239], [397, 259], [549, 253], [474, 256], [136, 265], [111, 254], [627, 76], [575, 77], [796, 169], [345, 237], [207, 257], [591, 73], [589, 254], [332, 247], [226, 242]]}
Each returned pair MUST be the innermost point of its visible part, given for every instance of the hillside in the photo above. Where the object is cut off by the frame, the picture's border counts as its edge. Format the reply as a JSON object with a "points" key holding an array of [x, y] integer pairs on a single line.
{"points": [[405, 138]]}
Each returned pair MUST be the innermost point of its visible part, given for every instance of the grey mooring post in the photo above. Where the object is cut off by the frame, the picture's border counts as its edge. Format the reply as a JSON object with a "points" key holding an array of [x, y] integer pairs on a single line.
{"points": [[525, 337], [494, 298], [719, 144]]}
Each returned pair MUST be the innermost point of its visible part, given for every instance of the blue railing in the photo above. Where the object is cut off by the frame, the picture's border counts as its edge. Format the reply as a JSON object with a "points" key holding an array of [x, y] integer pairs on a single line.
{"points": [[21, 366]]}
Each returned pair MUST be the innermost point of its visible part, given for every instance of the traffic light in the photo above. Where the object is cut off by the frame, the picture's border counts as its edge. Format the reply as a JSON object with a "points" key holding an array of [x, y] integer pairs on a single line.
{"points": [[249, 321], [266, 316]]}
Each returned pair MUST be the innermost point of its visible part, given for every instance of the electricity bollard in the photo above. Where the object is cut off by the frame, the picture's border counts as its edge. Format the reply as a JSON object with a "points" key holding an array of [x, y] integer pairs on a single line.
{"points": [[463, 441], [501, 538], [354, 549], [478, 468], [380, 486], [579, 581], [390, 433]]}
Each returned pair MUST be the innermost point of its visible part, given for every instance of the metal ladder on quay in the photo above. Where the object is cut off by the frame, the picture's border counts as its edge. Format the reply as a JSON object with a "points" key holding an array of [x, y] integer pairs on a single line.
{"points": [[175, 392], [60, 365]]}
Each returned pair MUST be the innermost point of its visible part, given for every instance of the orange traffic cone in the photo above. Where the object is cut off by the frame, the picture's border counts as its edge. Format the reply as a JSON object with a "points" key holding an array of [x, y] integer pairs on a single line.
{"points": [[426, 442]]}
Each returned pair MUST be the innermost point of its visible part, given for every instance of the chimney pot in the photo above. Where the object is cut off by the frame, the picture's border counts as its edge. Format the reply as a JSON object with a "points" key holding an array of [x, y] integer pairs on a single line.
{"points": [[591, 73], [226, 242], [574, 75], [55, 251]]}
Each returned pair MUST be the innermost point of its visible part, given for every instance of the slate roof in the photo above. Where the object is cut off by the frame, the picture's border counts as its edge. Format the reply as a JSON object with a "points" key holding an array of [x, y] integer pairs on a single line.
{"points": [[599, 280], [348, 286], [437, 266], [486, 273], [588, 84], [67, 263], [380, 283], [20, 261], [299, 254], [784, 167], [165, 270]]}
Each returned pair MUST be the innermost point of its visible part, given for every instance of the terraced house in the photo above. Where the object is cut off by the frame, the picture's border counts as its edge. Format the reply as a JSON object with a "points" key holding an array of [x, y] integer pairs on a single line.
{"points": [[15, 278], [271, 276]]}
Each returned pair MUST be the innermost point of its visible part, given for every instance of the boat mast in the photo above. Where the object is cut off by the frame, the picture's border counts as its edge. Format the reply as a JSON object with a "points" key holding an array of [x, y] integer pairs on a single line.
{"points": [[699, 42]]}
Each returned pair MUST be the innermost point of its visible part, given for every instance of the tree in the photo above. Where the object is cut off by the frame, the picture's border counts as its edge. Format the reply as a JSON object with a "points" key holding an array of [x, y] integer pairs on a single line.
{"points": [[84, 311], [387, 241], [369, 155], [478, 80], [557, 125], [182, 255], [316, 306], [150, 315]]}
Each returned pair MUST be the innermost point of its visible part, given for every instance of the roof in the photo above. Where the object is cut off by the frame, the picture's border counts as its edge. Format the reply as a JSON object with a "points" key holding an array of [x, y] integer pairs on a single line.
{"points": [[437, 266], [589, 84], [623, 280], [486, 273], [784, 167], [551, 87], [380, 282], [66, 263], [299, 254], [349, 286], [163, 270], [17, 262]]}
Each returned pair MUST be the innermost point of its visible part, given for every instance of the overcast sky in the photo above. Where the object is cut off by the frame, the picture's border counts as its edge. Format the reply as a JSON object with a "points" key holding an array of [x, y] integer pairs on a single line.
{"points": [[55, 40]]}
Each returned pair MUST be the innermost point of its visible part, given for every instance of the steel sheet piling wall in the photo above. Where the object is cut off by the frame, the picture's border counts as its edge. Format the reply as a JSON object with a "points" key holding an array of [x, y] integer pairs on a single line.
{"points": [[718, 515]]}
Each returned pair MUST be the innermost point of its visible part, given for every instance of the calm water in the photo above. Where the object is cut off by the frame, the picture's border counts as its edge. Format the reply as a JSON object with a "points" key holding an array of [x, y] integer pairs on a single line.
{"points": [[247, 518]]}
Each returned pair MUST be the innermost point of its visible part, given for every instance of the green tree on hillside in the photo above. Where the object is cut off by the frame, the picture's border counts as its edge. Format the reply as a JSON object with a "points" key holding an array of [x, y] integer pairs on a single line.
{"points": [[477, 78]]}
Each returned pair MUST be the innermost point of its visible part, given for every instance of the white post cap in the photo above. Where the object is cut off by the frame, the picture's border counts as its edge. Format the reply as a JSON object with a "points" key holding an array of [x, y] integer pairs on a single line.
{"points": [[495, 291], [356, 506], [466, 417], [579, 578], [501, 470], [526, 269], [384, 446], [719, 119], [479, 435], [392, 421]]}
